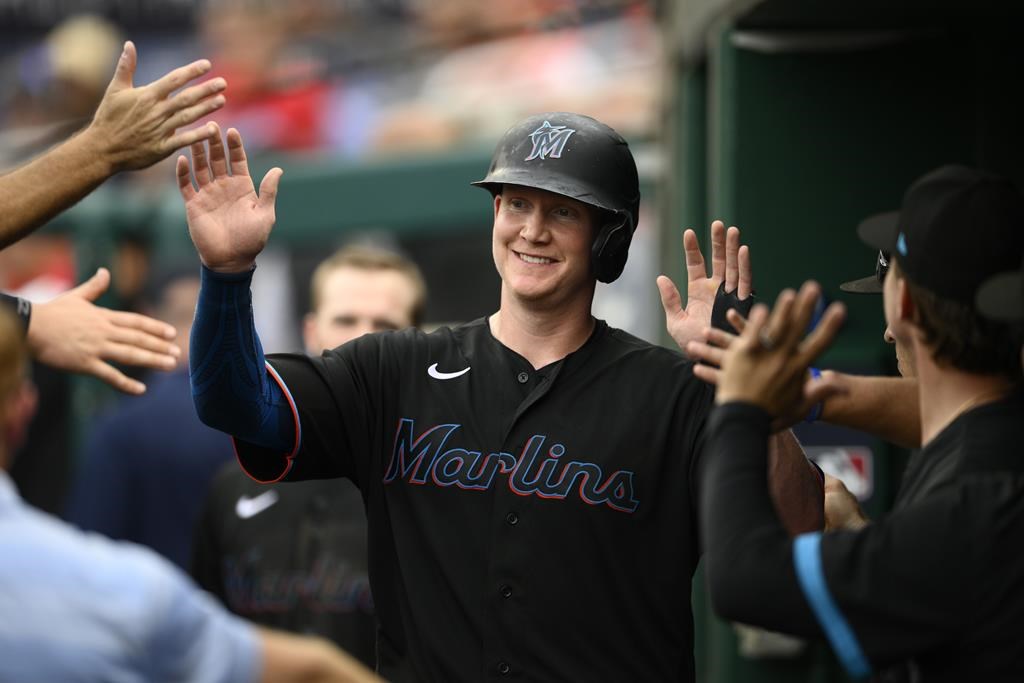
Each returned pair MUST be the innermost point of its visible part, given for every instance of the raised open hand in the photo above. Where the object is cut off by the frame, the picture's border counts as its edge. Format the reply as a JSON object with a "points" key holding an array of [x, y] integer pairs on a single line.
{"points": [[730, 263], [135, 127], [228, 222]]}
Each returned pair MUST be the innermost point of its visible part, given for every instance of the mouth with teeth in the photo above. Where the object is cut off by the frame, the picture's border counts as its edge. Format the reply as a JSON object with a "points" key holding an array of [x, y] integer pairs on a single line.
{"points": [[536, 260]]}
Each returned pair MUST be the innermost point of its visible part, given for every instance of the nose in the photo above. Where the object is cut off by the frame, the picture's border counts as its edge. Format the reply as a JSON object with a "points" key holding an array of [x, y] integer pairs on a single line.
{"points": [[533, 229], [888, 336]]}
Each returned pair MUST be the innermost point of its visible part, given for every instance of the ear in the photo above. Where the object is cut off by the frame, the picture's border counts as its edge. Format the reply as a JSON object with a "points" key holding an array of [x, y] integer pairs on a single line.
{"points": [[309, 336], [497, 204], [18, 412], [906, 309]]}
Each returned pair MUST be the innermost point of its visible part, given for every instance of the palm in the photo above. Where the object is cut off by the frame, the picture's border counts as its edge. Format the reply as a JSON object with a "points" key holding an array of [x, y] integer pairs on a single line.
{"points": [[730, 263], [228, 222]]}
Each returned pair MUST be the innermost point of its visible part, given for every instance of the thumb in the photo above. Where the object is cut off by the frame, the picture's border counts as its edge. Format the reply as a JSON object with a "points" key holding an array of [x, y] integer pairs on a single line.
{"points": [[268, 187], [671, 301], [91, 289], [125, 70], [820, 390]]}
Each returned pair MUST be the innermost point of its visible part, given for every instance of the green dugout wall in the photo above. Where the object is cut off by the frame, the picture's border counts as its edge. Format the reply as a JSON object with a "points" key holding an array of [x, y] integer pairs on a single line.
{"points": [[796, 120]]}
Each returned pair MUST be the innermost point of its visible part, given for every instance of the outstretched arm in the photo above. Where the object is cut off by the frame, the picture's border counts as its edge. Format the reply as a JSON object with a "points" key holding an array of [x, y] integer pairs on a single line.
{"points": [[134, 127], [230, 224], [887, 407]]}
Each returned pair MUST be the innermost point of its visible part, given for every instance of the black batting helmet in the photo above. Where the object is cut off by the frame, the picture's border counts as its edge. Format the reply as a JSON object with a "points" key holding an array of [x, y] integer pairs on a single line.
{"points": [[579, 157]]}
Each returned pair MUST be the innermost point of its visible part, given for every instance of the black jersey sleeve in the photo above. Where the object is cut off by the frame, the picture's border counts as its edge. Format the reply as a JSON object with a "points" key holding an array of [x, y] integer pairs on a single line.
{"points": [[338, 399], [898, 587]]}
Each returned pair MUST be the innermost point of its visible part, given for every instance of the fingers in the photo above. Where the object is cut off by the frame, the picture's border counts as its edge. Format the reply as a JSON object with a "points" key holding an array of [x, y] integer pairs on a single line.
{"points": [[191, 137], [126, 354], [115, 378], [125, 70], [756, 323], [195, 94], [746, 274], [184, 175], [236, 153], [736, 319], [671, 300], [792, 328], [218, 159], [732, 258], [824, 333], [175, 79], [154, 344], [142, 323], [819, 391], [200, 164], [718, 250], [695, 269], [268, 187], [707, 374], [192, 114], [91, 289], [719, 338], [705, 352]]}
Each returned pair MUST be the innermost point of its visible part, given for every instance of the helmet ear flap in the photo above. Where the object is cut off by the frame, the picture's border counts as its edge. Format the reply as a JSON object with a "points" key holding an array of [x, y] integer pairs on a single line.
{"points": [[611, 247]]}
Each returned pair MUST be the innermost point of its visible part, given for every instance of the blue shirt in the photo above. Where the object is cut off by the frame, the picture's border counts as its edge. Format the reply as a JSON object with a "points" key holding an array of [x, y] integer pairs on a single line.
{"points": [[146, 469], [78, 607]]}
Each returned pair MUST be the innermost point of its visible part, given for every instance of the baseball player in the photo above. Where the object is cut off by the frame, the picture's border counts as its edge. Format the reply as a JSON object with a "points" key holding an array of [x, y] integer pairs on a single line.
{"points": [[293, 555], [529, 477], [936, 589]]}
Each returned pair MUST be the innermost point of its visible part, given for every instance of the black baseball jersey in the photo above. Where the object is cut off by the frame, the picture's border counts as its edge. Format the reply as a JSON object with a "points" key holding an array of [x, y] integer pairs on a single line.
{"points": [[290, 556], [524, 524], [937, 584]]}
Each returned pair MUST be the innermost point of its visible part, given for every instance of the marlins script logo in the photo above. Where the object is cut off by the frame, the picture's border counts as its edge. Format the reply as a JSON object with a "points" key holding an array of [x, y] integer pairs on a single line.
{"points": [[549, 141]]}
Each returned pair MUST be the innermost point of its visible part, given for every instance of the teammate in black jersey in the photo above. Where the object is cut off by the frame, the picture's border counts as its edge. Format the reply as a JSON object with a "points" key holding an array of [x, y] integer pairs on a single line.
{"points": [[293, 555], [934, 591], [529, 477]]}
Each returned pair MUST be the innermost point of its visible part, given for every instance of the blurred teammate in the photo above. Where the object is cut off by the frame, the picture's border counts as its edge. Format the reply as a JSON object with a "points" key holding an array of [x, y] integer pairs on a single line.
{"points": [[935, 590], [529, 476], [293, 555], [81, 608], [148, 461]]}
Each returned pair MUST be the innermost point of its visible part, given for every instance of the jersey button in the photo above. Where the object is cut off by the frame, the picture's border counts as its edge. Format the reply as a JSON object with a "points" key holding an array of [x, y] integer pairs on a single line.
{"points": [[523, 378], [504, 669], [506, 591], [512, 518]]}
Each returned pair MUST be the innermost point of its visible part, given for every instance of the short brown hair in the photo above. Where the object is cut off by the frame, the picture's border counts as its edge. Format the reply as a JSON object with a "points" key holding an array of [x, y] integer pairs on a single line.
{"points": [[372, 259], [961, 337]]}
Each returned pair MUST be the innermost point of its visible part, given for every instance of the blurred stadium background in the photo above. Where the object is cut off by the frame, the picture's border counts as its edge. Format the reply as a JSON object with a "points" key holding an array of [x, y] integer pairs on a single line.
{"points": [[792, 119]]}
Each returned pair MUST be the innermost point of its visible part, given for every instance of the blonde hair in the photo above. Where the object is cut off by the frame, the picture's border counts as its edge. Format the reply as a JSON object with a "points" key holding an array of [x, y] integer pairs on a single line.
{"points": [[371, 259]]}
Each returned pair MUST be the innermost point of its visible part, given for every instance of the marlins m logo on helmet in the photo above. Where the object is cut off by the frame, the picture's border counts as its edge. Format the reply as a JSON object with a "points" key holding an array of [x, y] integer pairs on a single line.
{"points": [[549, 141]]}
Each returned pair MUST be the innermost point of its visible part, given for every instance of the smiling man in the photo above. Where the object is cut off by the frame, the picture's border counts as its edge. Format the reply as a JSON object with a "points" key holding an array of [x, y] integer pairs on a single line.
{"points": [[529, 477]]}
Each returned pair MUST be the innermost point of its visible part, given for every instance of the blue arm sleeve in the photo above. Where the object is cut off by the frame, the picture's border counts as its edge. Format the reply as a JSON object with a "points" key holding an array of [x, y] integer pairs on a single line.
{"points": [[231, 386]]}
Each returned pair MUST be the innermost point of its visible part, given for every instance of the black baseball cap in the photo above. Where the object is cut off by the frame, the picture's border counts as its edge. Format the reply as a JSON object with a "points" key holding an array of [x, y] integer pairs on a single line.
{"points": [[957, 227], [1001, 297], [872, 284]]}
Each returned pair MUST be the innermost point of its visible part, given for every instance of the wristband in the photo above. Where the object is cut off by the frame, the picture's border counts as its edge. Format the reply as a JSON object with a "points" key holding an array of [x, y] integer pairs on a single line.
{"points": [[816, 409], [20, 307]]}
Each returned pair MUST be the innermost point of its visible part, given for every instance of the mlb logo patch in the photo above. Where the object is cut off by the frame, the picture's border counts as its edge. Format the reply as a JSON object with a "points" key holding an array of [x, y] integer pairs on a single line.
{"points": [[853, 465], [549, 141]]}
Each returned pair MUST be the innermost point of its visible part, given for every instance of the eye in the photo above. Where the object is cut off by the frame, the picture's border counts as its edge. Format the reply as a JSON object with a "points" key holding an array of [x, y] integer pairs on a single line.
{"points": [[516, 203], [566, 212]]}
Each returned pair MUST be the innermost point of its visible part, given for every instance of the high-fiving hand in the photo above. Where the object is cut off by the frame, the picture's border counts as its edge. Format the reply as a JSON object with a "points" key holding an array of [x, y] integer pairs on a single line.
{"points": [[767, 364], [730, 263], [228, 222]]}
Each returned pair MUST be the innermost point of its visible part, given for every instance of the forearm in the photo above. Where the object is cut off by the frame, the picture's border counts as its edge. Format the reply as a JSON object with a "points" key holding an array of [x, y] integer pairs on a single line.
{"points": [[887, 407], [796, 486], [232, 388], [49, 184], [747, 551]]}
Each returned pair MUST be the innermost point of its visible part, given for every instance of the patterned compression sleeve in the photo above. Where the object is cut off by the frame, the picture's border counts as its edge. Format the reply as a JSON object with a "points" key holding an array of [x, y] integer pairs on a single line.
{"points": [[231, 387]]}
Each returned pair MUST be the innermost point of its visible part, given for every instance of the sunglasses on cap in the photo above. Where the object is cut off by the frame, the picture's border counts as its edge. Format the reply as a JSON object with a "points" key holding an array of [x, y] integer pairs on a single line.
{"points": [[882, 266]]}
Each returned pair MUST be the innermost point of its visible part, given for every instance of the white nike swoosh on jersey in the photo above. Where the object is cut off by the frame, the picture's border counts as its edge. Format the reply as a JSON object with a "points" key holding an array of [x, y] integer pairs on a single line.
{"points": [[437, 374], [247, 507]]}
